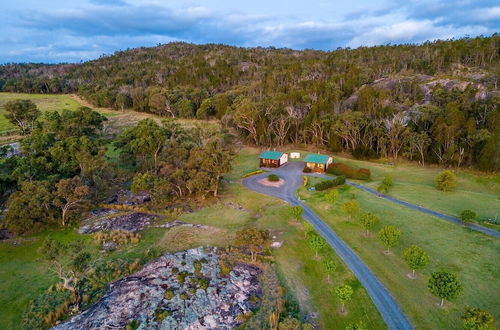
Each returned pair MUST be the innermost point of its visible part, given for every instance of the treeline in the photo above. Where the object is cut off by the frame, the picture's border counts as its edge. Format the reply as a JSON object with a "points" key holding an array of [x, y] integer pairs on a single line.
{"points": [[330, 99]]}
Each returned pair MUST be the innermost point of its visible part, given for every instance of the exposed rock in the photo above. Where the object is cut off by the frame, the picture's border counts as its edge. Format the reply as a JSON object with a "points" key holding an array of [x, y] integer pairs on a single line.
{"points": [[132, 222], [276, 244], [157, 299], [103, 220], [10, 150]]}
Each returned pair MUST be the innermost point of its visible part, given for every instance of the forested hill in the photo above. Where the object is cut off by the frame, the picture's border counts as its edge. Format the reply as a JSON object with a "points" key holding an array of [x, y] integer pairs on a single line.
{"points": [[435, 102]]}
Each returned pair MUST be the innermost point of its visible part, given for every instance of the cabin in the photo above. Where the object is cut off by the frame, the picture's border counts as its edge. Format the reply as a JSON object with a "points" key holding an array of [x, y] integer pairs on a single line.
{"points": [[273, 158], [317, 162]]}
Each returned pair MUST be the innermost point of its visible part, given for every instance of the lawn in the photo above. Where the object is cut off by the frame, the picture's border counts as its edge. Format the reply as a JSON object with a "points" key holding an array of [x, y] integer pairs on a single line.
{"points": [[476, 191], [471, 255]]}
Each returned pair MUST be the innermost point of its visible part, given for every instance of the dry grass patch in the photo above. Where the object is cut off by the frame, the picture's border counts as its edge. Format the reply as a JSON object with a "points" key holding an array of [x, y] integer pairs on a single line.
{"points": [[183, 237]]}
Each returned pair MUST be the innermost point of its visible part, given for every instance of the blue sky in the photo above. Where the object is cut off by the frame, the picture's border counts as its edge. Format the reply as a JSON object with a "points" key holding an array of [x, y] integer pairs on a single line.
{"points": [[75, 30]]}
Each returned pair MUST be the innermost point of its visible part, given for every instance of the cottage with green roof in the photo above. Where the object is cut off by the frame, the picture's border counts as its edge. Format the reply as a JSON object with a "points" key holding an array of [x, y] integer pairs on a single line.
{"points": [[318, 162], [273, 158]]}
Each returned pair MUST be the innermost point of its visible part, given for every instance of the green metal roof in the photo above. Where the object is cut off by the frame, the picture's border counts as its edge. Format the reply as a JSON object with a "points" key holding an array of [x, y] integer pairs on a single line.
{"points": [[275, 155], [317, 158]]}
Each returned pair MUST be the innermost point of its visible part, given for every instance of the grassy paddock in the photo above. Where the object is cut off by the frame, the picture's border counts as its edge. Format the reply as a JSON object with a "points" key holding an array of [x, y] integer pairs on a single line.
{"points": [[476, 190], [471, 255]]}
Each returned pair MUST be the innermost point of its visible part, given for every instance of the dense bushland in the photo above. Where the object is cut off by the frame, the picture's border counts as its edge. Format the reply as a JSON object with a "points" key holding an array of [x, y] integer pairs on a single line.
{"points": [[436, 102]]}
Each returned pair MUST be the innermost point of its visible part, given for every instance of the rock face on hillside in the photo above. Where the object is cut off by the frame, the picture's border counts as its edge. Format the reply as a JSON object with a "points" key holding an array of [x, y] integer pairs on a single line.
{"points": [[158, 298]]}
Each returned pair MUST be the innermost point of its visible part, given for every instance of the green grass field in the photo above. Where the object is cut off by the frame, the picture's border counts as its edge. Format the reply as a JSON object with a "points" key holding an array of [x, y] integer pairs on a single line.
{"points": [[476, 191], [471, 255]]}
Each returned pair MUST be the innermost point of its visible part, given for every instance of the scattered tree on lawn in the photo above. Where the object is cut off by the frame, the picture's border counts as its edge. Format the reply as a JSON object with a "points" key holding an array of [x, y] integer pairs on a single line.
{"points": [[468, 216], [369, 221], [416, 258], [253, 239], [351, 208], [317, 243], [386, 184], [296, 211], [477, 319], [308, 229], [389, 236], [446, 181], [22, 113], [70, 193], [330, 267], [344, 293], [444, 285], [332, 196]]}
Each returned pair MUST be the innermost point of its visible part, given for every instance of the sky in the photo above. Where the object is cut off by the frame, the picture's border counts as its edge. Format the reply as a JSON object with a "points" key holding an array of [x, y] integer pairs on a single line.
{"points": [[54, 31]]}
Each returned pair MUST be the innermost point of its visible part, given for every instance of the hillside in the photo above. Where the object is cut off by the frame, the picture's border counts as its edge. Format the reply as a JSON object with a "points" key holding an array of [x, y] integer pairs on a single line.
{"points": [[436, 102]]}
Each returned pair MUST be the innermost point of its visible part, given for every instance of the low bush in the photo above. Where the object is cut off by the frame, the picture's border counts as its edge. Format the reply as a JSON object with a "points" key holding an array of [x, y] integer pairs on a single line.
{"points": [[307, 170], [349, 171], [246, 175], [323, 185], [119, 237], [273, 177], [446, 181], [339, 180], [468, 216]]}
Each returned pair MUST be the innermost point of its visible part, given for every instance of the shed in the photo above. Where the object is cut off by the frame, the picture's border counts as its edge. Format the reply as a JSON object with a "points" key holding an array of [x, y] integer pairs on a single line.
{"points": [[318, 162], [273, 158]]}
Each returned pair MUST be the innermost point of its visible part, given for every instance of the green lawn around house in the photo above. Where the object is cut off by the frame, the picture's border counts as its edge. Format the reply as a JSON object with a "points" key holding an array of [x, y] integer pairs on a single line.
{"points": [[476, 191]]}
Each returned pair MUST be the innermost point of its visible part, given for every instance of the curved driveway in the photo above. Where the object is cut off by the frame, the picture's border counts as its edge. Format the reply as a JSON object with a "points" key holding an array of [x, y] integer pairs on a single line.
{"points": [[385, 303]]}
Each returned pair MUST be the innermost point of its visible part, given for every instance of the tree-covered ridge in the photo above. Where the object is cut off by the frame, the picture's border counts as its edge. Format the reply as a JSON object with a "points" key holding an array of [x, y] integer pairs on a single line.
{"points": [[435, 102]]}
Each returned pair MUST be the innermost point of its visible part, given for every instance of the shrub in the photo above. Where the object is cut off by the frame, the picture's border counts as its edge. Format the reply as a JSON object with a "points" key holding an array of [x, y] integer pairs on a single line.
{"points": [[349, 171], [382, 188], [468, 216], [169, 294], [446, 181], [246, 175], [477, 319], [204, 282], [307, 170], [339, 180], [364, 174], [388, 181], [323, 185], [273, 177]]}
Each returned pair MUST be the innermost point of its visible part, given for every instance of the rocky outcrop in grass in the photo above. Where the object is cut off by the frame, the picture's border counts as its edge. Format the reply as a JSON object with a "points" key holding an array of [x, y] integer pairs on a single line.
{"points": [[185, 290]]}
